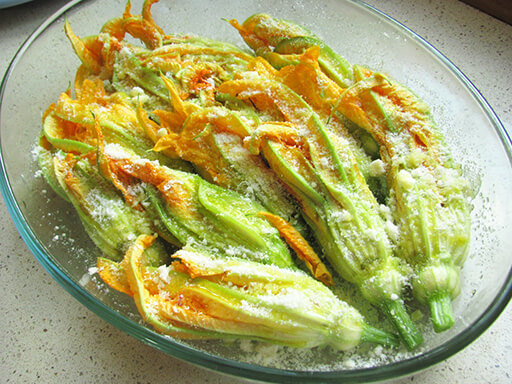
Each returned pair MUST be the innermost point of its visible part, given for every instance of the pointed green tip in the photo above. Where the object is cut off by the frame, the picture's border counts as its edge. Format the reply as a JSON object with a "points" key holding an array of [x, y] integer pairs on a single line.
{"points": [[441, 311], [396, 311], [378, 336]]}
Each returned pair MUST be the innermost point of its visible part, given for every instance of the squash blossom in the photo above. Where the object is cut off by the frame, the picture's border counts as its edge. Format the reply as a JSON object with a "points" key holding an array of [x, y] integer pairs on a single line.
{"points": [[210, 177], [428, 195]]}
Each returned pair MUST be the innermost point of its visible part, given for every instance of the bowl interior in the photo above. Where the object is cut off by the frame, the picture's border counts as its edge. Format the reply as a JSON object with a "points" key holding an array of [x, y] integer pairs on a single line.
{"points": [[46, 66]]}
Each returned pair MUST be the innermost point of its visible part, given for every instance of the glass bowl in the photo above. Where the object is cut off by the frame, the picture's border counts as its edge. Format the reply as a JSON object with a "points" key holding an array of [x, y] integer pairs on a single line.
{"points": [[45, 65]]}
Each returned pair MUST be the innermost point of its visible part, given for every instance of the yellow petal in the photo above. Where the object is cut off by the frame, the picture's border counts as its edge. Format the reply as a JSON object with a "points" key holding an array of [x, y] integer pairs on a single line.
{"points": [[113, 275], [301, 247]]}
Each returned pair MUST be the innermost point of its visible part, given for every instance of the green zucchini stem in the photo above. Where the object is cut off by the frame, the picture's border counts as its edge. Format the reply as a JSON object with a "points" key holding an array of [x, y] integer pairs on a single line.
{"points": [[396, 312], [441, 311], [374, 335]]}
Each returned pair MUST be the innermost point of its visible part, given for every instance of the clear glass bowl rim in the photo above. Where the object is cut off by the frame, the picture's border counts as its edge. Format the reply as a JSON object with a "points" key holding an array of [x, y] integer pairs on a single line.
{"points": [[233, 367]]}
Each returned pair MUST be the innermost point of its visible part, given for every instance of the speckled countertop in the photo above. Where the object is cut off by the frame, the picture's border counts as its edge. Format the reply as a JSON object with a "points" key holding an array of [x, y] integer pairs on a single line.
{"points": [[48, 337]]}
